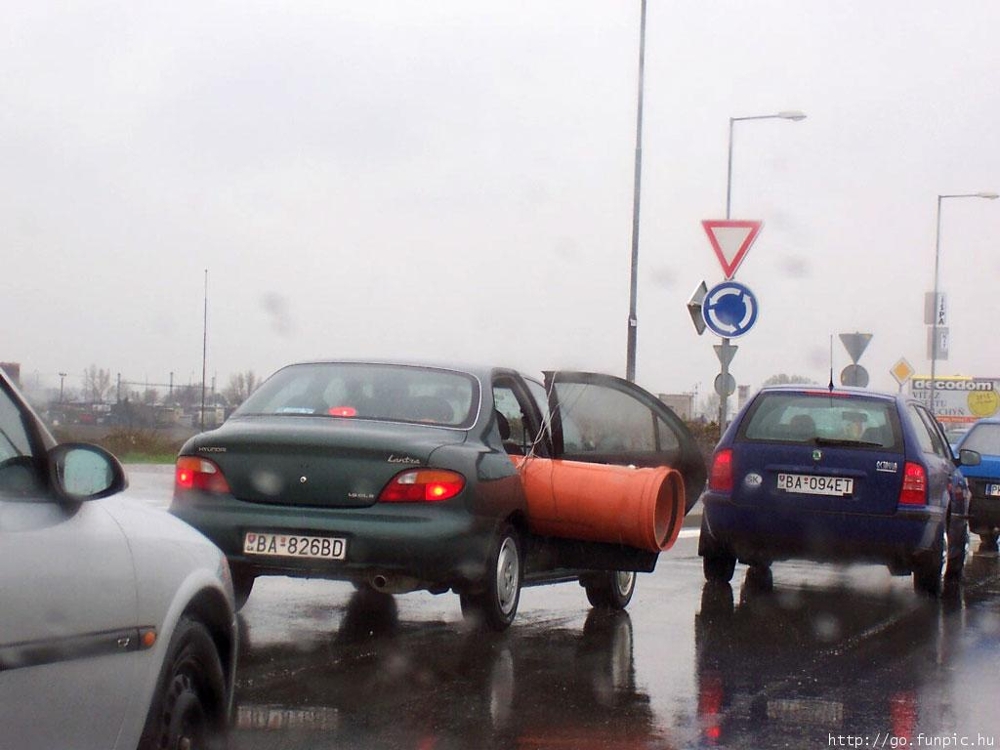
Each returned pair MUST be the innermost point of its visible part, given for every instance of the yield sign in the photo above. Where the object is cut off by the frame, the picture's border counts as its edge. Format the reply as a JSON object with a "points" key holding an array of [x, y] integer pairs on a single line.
{"points": [[731, 240], [855, 343]]}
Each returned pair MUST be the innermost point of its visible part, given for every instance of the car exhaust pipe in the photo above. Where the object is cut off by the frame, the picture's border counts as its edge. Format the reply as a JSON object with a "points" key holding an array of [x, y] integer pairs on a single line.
{"points": [[390, 584]]}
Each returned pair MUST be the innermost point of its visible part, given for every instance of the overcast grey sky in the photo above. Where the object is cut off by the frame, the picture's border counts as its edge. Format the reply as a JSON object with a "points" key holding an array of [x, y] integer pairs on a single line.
{"points": [[453, 179]]}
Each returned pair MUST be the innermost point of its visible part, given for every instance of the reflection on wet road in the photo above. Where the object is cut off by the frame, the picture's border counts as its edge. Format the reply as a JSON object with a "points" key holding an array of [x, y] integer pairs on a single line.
{"points": [[825, 654], [825, 657]]}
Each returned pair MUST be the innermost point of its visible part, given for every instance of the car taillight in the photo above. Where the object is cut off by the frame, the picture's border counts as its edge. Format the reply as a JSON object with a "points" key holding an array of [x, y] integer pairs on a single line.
{"points": [[914, 490], [721, 478], [193, 473], [422, 485]]}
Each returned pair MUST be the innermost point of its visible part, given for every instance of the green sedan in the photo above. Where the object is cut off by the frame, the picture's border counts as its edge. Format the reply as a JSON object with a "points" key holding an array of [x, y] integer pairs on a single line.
{"points": [[404, 477]]}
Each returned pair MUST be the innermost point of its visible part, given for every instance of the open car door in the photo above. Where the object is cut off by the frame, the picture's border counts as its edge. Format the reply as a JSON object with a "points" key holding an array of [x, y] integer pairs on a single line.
{"points": [[602, 419]]}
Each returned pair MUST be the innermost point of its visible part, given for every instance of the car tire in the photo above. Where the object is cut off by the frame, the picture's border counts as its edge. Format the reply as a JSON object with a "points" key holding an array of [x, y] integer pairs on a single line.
{"points": [[958, 545], [243, 580], [759, 578], [189, 705], [988, 542], [611, 589], [929, 567], [495, 606], [718, 566]]}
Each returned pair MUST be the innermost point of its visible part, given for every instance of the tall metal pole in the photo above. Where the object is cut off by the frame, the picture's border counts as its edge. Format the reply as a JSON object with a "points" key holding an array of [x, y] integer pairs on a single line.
{"points": [[633, 321], [934, 301], [204, 353], [795, 116]]}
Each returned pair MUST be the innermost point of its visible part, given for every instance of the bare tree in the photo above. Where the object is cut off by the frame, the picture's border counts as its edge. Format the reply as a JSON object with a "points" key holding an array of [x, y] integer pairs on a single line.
{"points": [[241, 385], [96, 384]]}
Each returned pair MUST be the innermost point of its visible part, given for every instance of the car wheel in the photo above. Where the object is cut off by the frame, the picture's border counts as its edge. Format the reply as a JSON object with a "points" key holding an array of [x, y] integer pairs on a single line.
{"points": [[988, 542], [496, 605], [611, 589], [189, 706], [958, 544], [242, 586], [759, 578], [929, 568], [718, 566]]}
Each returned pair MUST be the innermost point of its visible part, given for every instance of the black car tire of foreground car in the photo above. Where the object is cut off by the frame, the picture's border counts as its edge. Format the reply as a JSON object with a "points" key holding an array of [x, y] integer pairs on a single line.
{"points": [[402, 477], [118, 627], [836, 475]]}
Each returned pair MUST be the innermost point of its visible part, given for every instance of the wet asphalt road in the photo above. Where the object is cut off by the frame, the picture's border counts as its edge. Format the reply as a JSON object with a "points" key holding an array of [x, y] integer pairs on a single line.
{"points": [[829, 657]]}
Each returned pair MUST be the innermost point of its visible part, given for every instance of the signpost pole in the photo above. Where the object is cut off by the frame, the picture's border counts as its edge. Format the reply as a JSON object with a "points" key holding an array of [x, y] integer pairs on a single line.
{"points": [[723, 396]]}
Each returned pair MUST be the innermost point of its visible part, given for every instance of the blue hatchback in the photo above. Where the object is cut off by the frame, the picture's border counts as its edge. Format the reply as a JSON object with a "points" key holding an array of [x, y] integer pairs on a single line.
{"points": [[836, 475], [984, 481]]}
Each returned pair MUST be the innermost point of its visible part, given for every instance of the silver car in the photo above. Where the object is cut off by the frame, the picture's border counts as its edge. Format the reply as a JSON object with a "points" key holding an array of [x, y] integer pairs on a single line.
{"points": [[117, 624]]}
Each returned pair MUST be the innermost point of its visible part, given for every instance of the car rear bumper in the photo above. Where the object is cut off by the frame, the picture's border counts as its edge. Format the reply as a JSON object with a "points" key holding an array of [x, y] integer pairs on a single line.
{"points": [[755, 534], [426, 546]]}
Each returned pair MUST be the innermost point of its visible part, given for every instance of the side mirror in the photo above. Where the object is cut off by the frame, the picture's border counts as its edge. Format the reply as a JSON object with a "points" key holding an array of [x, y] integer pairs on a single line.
{"points": [[968, 457], [80, 471]]}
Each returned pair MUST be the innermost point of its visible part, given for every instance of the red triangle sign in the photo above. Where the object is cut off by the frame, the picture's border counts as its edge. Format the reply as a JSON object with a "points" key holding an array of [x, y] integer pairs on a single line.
{"points": [[731, 240]]}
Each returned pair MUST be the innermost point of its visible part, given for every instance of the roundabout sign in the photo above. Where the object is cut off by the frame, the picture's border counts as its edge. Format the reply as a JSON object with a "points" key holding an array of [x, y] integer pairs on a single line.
{"points": [[730, 309]]}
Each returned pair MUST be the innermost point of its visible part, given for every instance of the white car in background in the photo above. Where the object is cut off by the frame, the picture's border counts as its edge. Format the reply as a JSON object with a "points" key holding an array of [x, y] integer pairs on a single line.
{"points": [[117, 624]]}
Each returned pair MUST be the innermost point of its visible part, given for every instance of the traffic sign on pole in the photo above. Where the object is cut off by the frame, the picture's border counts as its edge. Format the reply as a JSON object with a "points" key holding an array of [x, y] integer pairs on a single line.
{"points": [[731, 240], [694, 307], [730, 309], [855, 343]]}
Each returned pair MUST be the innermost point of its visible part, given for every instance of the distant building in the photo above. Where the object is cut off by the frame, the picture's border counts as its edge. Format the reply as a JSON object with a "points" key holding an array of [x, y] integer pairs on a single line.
{"points": [[682, 404]]}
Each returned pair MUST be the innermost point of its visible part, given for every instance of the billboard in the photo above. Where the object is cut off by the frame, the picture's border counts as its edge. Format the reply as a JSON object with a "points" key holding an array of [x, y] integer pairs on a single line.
{"points": [[958, 399]]}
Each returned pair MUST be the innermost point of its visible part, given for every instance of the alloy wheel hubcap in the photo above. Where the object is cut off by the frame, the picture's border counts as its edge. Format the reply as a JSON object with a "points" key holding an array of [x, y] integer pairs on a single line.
{"points": [[507, 575]]}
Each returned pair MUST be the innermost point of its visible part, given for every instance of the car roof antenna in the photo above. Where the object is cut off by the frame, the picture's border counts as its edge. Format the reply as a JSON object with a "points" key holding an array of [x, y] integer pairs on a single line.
{"points": [[831, 363]]}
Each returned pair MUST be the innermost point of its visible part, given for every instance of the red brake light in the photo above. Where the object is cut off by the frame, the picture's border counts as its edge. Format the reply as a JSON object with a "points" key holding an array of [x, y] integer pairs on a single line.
{"points": [[342, 411], [721, 478], [914, 490], [422, 485], [193, 473]]}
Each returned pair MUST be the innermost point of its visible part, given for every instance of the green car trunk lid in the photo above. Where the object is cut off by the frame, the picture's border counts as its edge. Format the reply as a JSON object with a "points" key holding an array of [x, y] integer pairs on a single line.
{"points": [[317, 461]]}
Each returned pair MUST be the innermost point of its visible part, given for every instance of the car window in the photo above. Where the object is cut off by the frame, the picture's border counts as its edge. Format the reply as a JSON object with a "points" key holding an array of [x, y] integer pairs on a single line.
{"points": [[366, 391], [19, 475], [14, 439], [984, 438], [925, 436], [598, 419], [938, 439], [808, 417]]}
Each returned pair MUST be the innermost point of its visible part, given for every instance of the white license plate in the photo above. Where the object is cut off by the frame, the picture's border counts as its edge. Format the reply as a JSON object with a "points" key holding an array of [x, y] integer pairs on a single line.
{"points": [[993, 490], [294, 545], [810, 484]]}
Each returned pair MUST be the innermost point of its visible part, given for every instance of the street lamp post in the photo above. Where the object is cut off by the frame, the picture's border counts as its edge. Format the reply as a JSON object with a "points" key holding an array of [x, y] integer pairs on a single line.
{"points": [[794, 116], [633, 322], [934, 299]]}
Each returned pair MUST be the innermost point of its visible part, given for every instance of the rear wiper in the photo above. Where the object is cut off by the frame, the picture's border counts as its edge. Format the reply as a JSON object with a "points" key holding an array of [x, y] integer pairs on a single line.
{"points": [[844, 441]]}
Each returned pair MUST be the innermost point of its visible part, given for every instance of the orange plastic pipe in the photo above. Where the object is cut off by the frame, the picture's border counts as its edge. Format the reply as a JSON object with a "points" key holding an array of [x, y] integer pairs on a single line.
{"points": [[637, 507]]}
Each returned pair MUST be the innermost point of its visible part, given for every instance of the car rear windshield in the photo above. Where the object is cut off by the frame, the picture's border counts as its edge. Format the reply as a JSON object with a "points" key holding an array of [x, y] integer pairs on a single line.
{"points": [[823, 419], [984, 438], [395, 393]]}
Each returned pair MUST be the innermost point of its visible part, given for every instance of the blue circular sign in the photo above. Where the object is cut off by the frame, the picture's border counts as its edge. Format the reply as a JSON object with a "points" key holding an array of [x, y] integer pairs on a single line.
{"points": [[729, 309]]}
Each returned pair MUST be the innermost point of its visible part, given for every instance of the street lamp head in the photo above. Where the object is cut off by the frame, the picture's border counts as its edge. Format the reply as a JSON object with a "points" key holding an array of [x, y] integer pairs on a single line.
{"points": [[792, 114], [988, 196]]}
